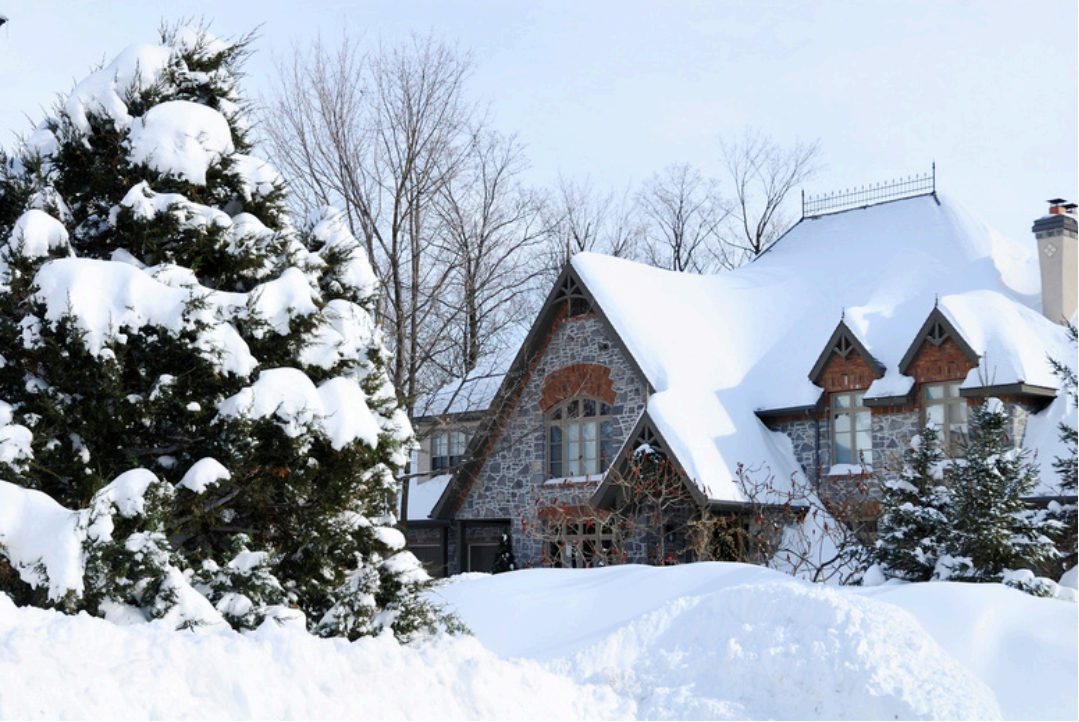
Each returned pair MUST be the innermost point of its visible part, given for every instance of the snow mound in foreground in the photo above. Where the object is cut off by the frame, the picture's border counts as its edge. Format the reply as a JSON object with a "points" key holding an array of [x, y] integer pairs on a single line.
{"points": [[53, 666], [786, 651]]}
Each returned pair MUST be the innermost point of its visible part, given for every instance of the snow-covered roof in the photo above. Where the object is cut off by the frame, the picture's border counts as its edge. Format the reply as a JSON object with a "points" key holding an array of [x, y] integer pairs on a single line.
{"points": [[472, 392], [423, 494], [719, 348]]}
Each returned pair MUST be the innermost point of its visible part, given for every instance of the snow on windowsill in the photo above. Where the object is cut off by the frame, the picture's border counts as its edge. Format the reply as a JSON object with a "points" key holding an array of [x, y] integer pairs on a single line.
{"points": [[850, 470], [574, 480]]}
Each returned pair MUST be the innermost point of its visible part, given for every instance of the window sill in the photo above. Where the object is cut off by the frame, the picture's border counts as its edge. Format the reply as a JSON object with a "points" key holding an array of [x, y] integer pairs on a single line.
{"points": [[574, 480], [850, 470]]}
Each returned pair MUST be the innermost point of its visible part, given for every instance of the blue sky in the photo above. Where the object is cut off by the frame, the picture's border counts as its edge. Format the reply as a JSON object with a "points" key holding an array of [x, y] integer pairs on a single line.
{"points": [[618, 90]]}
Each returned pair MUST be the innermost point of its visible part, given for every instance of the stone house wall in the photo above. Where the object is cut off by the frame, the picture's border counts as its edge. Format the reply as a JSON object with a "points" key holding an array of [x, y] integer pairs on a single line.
{"points": [[581, 358]]}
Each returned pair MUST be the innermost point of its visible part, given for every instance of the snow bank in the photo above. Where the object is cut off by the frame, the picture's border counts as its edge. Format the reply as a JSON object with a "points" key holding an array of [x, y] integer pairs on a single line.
{"points": [[52, 666], [730, 641], [712, 641]]}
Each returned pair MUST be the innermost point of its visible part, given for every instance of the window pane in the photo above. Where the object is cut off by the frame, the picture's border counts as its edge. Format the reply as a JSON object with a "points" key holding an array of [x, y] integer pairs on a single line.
{"points": [[863, 421], [840, 401], [842, 423], [604, 410], [606, 430], [842, 449], [573, 449], [934, 393], [457, 443], [556, 415], [863, 442], [590, 466], [556, 469], [556, 435], [588, 407], [953, 389], [934, 415], [439, 445], [958, 412], [589, 428], [858, 398], [573, 409]]}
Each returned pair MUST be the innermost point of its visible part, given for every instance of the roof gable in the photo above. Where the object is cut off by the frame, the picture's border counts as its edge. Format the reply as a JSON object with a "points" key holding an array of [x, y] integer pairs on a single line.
{"points": [[569, 296], [936, 330], [842, 343]]}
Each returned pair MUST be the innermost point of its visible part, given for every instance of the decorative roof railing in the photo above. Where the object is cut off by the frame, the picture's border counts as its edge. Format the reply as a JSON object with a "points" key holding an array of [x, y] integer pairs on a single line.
{"points": [[868, 195]]}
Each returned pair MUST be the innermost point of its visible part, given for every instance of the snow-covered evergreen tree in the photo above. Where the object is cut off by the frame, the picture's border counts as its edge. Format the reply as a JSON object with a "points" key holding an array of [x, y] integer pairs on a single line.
{"points": [[992, 532], [1067, 466], [504, 559], [916, 512], [160, 310]]}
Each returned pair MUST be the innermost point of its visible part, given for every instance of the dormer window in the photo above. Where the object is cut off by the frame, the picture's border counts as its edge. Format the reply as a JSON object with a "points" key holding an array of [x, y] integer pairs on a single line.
{"points": [[852, 429], [447, 449], [947, 411], [579, 438]]}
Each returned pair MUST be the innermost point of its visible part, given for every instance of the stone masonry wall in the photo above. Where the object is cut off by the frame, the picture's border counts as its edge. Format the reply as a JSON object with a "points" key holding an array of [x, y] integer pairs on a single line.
{"points": [[513, 476]]}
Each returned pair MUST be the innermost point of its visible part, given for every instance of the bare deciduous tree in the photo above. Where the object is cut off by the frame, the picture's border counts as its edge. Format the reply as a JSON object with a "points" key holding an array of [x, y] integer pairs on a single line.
{"points": [[580, 218], [762, 175], [685, 214], [491, 227], [380, 134]]}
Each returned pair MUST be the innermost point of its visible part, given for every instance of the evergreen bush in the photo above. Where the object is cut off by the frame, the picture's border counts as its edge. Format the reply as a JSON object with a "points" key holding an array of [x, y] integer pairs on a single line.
{"points": [[161, 310]]}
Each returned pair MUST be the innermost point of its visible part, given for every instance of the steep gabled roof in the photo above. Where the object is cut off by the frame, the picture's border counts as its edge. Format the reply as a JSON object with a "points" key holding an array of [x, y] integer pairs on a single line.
{"points": [[568, 290], [717, 349], [936, 330], [841, 343]]}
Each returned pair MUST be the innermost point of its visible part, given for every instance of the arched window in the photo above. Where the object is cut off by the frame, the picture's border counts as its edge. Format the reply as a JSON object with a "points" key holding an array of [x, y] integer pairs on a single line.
{"points": [[579, 439]]}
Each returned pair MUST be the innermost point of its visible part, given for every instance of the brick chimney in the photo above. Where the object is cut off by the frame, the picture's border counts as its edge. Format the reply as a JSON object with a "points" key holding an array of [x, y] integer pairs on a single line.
{"points": [[1057, 235]]}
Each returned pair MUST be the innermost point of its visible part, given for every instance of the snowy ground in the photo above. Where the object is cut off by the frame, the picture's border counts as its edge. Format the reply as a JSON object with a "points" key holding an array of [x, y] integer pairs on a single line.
{"points": [[699, 641]]}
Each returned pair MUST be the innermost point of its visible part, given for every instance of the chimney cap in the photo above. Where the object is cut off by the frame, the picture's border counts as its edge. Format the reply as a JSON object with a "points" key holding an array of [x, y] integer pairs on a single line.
{"points": [[1057, 201], [1071, 206]]}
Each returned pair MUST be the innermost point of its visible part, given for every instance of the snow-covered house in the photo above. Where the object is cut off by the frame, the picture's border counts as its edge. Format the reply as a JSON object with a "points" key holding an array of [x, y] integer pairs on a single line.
{"points": [[444, 422], [819, 359]]}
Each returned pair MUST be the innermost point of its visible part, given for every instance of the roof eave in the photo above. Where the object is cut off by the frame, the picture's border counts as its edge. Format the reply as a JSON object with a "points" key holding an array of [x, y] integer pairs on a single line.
{"points": [[1017, 389]]}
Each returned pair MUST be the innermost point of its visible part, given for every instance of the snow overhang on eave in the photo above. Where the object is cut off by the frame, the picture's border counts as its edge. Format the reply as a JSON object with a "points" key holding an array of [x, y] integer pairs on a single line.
{"points": [[1043, 393], [803, 410]]}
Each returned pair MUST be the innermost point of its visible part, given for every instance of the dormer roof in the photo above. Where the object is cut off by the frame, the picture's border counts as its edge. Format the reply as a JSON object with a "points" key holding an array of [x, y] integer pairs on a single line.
{"points": [[842, 343]]}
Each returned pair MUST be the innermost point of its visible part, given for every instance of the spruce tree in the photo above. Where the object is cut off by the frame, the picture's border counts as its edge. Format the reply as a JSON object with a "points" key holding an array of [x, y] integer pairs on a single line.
{"points": [[161, 310], [993, 533], [1067, 466], [504, 559], [916, 511]]}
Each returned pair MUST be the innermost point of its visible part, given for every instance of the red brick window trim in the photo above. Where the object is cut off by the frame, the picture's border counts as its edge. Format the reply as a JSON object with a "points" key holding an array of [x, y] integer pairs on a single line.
{"points": [[577, 380]]}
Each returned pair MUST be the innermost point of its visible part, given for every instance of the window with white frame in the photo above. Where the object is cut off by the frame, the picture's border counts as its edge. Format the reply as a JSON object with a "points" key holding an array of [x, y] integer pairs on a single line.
{"points": [[447, 449], [852, 429], [947, 411], [579, 438]]}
